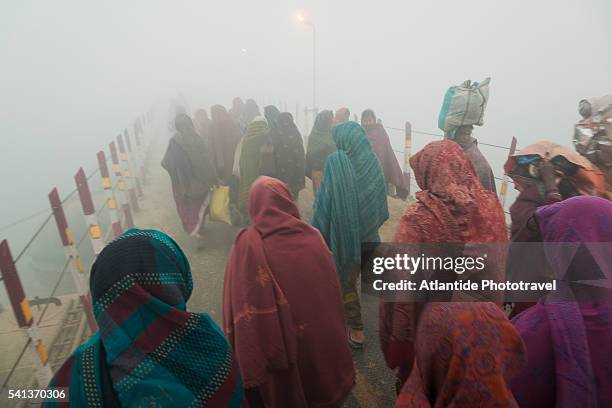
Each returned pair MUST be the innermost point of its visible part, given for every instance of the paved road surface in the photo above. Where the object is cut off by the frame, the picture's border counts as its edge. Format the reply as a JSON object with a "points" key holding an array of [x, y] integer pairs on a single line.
{"points": [[375, 383]]}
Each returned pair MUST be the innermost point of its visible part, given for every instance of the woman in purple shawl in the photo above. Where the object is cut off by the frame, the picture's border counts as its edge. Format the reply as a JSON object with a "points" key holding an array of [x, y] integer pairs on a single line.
{"points": [[568, 342]]}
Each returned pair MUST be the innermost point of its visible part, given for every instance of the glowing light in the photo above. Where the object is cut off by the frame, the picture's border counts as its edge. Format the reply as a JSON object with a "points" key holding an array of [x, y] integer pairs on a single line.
{"points": [[244, 50], [300, 17]]}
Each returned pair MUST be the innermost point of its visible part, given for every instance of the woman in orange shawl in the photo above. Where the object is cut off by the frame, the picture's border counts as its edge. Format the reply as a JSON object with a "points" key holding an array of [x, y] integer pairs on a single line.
{"points": [[452, 207], [282, 307], [466, 353]]}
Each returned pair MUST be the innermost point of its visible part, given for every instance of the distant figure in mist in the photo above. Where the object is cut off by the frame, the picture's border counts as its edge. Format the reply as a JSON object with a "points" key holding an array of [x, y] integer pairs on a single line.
{"points": [[149, 350], [282, 308], [192, 173], [342, 115], [349, 208], [225, 134], [379, 139], [237, 112], [288, 150], [251, 111], [201, 122], [320, 145], [463, 137]]}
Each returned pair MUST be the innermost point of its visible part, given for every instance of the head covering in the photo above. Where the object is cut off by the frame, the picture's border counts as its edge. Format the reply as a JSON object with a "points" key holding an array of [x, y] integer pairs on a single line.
{"points": [[237, 109], [271, 112], [251, 110], [281, 343], [255, 145], [465, 355], [288, 152], [351, 204], [202, 123], [452, 207], [588, 180], [320, 142], [558, 323], [149, 349], [225, 134], [379, 139], [342, 115]]}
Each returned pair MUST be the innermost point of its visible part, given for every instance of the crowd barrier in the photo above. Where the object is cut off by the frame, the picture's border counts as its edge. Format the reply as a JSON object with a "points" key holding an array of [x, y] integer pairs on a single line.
{"points": [[56, 307]]}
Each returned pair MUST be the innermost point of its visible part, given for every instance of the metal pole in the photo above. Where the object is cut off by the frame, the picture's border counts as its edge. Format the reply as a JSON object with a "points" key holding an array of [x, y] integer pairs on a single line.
{"points": [[314, 68], [89, 211]]}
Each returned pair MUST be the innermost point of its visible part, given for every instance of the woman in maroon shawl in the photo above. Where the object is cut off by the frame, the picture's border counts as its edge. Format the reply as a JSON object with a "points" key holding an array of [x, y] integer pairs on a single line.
{"points": [[568, 342], [379, 139], [452, 207], [224, 137], [282, 307]]}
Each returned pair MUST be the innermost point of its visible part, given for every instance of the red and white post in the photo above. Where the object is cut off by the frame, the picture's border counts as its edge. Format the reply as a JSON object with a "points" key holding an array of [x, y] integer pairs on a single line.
{"points": [[133, 163], [74, 260], [111, 202], [89, 211], [23, 315], [123, 200], [127, 174]]}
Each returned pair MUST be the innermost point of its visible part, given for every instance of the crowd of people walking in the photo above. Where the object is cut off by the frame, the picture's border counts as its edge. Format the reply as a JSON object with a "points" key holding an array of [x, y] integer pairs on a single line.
{"points": [[291, 296]]}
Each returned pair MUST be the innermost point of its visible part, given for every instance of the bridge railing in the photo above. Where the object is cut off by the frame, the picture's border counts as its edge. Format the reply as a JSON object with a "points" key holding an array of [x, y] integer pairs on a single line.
{"points": [[46, 281]]}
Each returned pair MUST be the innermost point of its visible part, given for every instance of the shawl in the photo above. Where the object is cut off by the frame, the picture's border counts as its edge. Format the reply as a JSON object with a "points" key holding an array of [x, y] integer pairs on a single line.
{"points": [[224, 137], [379, 139], [279, 281], [569, 342], [251, 111], [351, 204], [320, 142], [194, 177], [149, 349], [452, 207], [202, 123], [251, 155], [289, 152], [465, 355]]}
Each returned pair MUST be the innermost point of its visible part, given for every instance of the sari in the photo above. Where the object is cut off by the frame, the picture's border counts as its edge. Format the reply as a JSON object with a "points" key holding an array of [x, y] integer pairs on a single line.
{"points": [[320, 144], [465, 355], [452, 207], [149, 350], [379, 139], [225, 134], [568, 342], [255, 155], [350, 207], [279, 282], [192, 174], [289, 153]]}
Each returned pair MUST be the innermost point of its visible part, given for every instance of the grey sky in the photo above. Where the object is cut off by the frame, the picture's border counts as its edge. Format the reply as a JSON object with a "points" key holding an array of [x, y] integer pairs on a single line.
{"points": [[74, 73]]}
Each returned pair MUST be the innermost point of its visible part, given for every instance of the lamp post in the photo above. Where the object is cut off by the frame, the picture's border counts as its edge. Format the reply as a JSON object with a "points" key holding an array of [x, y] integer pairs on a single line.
{"points": [[309, 23]]}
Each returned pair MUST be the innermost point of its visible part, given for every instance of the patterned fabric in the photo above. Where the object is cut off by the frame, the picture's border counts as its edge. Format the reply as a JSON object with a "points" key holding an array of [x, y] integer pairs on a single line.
{"points": [[320, 142], [351, 204], [465, 355], [252, 154], [452, 207], [279, 281], [570, 358], [149, 351], [289, 153]]}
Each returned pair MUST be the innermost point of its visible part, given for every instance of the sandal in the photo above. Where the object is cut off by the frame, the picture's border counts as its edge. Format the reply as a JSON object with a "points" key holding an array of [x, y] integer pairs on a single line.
{"points": [[354, 343]]}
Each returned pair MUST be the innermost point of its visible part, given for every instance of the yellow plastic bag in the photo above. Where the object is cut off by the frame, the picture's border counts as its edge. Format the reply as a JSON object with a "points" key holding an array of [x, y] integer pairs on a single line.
{"points": [[219, 205]]}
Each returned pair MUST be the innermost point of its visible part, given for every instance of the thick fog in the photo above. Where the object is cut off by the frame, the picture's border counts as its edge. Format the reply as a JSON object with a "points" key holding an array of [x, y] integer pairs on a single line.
{"points": [[73, 73]]}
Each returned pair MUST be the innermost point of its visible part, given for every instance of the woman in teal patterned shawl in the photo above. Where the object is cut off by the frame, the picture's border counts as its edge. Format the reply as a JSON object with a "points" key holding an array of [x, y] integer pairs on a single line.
{"points": [[349, 208], [149, 350]]}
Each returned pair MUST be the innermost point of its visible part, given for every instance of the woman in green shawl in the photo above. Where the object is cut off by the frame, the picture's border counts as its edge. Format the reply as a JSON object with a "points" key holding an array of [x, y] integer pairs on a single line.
{"points": [[256, 158], [192, 174], [320, 145], [349, 208]]}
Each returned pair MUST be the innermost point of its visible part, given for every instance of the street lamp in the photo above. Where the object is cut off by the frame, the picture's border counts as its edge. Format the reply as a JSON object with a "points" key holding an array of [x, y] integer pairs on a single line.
{"points": [[302, 19]]}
